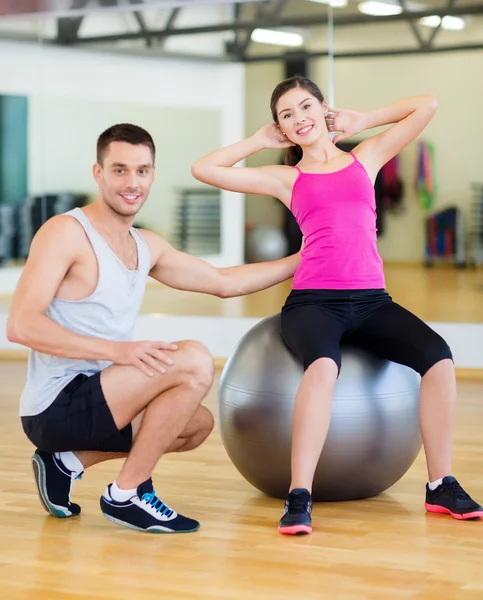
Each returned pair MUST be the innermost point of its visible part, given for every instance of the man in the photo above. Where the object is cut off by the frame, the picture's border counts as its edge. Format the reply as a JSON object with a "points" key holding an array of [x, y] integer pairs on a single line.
{"points": [[92, 394]]}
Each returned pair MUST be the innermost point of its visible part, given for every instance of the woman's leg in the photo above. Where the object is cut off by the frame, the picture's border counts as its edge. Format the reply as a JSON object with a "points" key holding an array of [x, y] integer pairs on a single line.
{"points": [[394, 333], [314, 337], [311, 420], [437, 401]]}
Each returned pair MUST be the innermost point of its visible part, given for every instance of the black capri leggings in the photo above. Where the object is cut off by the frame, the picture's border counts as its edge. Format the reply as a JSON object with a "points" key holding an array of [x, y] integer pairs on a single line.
{"points": [[316, 322]]}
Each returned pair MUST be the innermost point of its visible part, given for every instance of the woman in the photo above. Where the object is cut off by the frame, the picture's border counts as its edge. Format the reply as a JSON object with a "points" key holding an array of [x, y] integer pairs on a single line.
{"points": [[338, 292]]}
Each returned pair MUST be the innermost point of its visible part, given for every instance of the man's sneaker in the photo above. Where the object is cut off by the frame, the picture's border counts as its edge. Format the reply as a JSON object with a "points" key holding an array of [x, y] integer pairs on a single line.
{"points": [[145, 512], [296, 519], [450, 498], [54, 484]]}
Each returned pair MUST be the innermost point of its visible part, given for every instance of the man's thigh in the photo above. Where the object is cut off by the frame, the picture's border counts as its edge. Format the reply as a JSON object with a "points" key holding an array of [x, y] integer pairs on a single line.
{"points": [[128, 391]]}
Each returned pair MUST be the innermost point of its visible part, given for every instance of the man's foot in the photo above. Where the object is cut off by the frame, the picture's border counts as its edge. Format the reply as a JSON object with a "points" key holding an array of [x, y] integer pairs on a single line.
{"points": [[450, 498], [296, 519], [145, 512], [54, 484]]}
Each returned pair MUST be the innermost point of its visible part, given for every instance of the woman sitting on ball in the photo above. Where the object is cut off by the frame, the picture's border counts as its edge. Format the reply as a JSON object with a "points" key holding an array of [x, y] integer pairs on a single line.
{"points": [[338, 292]]}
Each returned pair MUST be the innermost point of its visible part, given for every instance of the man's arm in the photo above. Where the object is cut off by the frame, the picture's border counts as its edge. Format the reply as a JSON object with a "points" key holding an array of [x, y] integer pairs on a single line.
{"points": [[54, 250], [185, 272]]}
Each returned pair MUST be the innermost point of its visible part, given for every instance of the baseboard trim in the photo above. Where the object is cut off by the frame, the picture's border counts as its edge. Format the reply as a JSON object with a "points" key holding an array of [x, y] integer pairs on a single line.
{"points": [[391, 262], [220, 362], [469, 374], [13, 355]]}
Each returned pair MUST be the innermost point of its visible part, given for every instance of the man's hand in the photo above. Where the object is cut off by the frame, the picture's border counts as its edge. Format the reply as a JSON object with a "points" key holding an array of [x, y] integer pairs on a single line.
{"points": [[146, 356]]}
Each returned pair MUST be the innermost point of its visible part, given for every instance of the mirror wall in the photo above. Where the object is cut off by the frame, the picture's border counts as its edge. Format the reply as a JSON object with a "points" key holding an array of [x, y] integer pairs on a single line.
{"points": [[49, 147], [54, 103]]}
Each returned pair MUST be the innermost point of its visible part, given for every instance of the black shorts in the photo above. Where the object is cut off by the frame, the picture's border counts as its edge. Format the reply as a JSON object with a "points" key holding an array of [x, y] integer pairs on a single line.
{"points": [[78, 419], [316, 322]]}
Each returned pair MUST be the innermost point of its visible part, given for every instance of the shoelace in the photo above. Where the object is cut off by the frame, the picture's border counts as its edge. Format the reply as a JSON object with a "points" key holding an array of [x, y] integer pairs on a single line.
{"points": [[298, 504], [157, 504], [457, 491]]}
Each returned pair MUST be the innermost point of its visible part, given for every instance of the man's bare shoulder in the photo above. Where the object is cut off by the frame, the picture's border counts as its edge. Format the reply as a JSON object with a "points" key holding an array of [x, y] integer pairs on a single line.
{"points": [[62, 225], [61, 232]]}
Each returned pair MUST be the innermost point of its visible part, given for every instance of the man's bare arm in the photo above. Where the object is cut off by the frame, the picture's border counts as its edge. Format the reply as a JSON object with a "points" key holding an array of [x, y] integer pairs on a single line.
{"points": [[54, 249], [185, 272]]}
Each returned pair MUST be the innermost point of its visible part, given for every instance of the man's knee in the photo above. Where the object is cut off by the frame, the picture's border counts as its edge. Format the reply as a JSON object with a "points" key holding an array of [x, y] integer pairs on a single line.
{"points": [[199, 365]]}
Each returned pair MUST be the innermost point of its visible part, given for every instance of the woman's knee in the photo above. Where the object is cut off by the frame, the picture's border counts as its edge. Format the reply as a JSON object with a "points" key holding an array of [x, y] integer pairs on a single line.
{"points": [[434, 352], [442, 369], [325, 368]]}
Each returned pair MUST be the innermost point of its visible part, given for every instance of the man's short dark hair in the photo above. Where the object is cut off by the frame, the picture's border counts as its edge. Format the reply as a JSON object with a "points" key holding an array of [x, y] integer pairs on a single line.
{"points": [[124, 132]]}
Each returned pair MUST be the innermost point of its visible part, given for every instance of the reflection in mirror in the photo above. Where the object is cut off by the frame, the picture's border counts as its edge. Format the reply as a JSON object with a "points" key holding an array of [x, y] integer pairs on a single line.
{"points": [[47, 148], [62, 97]]}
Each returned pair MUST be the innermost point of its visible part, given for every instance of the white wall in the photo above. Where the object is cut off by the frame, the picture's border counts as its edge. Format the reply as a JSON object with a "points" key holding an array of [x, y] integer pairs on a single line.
{"points": [[260, 79], [100, 77]]}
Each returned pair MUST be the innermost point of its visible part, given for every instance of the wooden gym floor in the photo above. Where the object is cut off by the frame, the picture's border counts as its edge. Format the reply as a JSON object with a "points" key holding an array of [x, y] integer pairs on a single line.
{"points": [[385, 547]]}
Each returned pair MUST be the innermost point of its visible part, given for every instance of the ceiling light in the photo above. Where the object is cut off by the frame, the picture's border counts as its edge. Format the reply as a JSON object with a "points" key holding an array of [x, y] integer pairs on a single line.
{"points": [[453, 23], [378, 8], [334, 3], [276, 37], [449, 23], [432, 21]]}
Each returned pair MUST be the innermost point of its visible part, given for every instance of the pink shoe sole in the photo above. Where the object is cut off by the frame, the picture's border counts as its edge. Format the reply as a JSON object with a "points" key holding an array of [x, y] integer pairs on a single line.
{"points": [[434, 508], [295, 530]]}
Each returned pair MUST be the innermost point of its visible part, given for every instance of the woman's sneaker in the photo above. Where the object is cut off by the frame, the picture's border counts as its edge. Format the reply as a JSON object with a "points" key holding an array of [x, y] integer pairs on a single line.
{"points": [[296, 519], [54, 484], [145, 512], [450, 498]]}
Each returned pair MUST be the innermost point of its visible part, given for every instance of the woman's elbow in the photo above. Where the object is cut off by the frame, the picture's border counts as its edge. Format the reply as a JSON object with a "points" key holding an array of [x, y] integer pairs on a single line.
{"points": [[198, 172], [432, 102]]}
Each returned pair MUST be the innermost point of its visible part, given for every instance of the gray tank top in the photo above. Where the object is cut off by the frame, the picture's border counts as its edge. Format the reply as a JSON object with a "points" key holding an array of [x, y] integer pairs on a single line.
{"points": [[109, 313]]}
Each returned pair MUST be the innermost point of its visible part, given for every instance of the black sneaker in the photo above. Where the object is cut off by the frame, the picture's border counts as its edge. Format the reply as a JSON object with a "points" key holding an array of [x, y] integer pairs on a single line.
{"points": [[145, 512], [296, 519], [450, 498], [54, 485]]}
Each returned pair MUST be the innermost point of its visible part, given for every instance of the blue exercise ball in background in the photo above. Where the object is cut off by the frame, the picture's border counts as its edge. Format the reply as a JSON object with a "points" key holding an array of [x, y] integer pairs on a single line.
{"points": [[374, 435]]}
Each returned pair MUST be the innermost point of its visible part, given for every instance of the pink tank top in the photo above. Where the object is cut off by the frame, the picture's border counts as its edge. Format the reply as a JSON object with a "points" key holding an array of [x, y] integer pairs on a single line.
{"points": [[336, 213]]}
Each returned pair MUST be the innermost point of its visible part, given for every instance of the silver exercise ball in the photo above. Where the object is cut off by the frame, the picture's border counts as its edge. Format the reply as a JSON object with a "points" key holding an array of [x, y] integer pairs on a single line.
{"points": [[265, 243], [374, 434]]}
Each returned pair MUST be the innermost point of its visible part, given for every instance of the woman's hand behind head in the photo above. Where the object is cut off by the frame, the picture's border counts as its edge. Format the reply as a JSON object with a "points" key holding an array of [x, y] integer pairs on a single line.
{"points": [[347, 122], [270, 136]]}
